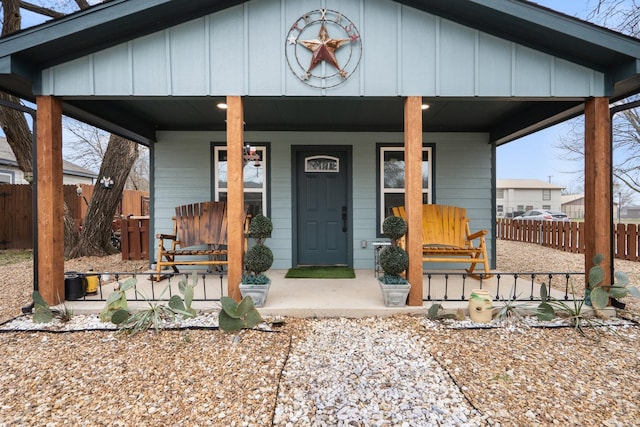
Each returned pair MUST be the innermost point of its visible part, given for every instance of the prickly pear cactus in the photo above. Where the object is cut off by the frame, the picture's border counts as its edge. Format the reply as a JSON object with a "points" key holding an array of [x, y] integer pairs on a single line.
{"points": [[117, 300], [187, 290], [234, 317], [41, 311], [601, 292]]}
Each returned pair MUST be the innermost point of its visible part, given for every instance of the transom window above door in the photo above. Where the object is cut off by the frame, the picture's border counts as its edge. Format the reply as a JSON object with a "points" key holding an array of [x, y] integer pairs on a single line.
{"points": [[255, 178]]}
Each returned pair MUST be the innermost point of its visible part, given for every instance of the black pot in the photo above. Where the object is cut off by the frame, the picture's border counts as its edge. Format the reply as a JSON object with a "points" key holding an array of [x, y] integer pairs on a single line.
{"points": [[75, 286]]}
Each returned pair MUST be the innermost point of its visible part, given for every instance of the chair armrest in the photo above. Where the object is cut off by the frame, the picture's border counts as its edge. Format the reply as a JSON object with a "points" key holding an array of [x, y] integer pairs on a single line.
{"points": [[166, 236], [477, 234]]}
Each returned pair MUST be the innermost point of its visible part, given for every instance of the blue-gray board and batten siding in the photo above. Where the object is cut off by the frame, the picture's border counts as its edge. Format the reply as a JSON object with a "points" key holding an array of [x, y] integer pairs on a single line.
{"points": [[241, 51], [184, 176]]}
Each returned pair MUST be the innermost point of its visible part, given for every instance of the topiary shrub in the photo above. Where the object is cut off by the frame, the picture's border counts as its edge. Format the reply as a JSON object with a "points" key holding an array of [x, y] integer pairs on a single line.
{"points": [[260, 228], [394, 259], [259, 258], [394, 228]]}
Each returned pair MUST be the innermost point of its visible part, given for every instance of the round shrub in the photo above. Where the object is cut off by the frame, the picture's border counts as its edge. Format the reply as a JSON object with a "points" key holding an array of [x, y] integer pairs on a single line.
{"points": [[394, 260], [258, 259], [260, 227], [394, 227]]}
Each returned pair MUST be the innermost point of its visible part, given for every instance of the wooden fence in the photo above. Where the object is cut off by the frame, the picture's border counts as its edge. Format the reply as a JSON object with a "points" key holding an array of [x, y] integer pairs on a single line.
{"points": [[16, 220], [568, 236], [134, 235]]}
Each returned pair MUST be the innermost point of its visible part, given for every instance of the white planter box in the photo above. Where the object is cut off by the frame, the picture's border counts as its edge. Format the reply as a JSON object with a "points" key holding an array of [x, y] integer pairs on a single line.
{"points": [[258, 293], [394, 295]]}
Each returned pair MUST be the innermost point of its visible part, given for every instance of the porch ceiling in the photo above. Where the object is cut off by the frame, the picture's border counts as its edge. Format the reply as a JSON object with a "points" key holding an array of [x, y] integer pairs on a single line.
{"points": [[503, 119]]}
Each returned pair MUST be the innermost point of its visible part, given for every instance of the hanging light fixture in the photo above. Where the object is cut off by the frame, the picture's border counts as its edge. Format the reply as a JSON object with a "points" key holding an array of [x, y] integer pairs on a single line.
{"points": [[250, 155]]}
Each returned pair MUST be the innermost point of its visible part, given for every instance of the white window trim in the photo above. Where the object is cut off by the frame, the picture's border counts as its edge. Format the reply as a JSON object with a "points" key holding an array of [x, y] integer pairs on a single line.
{"points": [[428, 191], [216, 182], [10, 175]]}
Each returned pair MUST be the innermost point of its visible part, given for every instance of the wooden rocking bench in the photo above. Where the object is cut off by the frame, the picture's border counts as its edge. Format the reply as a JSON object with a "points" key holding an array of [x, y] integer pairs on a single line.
{"points": [[446, 237], [199, 238]]}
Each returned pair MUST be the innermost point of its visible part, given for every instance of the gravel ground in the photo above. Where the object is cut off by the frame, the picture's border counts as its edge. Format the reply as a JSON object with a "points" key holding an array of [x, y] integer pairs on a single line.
{"points": [[399, 371]]}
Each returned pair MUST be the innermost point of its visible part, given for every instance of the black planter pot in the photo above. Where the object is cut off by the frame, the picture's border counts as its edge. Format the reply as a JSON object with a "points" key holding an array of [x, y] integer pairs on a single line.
{"points": [[75, 286]]}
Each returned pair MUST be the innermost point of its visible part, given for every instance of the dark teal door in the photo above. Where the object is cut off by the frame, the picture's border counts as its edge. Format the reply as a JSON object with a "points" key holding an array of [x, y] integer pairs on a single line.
{"points": [[323, 215]]}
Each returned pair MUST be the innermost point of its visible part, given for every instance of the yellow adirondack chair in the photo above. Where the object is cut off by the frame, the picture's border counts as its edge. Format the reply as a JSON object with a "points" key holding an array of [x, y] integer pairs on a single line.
{"points": [[446, 236]]}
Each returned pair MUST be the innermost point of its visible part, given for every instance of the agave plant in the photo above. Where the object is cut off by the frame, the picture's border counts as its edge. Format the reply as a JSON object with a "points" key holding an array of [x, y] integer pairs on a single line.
{"points": [[153, 317]]}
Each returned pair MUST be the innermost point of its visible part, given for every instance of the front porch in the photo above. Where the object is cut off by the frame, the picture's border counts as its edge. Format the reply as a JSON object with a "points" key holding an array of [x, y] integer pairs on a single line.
{"points": [[359, 297]]}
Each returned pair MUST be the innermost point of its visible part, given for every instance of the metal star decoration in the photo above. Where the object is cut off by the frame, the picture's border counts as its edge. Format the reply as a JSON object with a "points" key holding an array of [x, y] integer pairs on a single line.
{"points": [[300, 48], [324, 48]]}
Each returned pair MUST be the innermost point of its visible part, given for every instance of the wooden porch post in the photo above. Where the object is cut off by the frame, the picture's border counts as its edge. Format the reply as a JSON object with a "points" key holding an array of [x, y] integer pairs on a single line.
{"points": [[598, 200], [235, 194], [413, 194], [50, 213]]}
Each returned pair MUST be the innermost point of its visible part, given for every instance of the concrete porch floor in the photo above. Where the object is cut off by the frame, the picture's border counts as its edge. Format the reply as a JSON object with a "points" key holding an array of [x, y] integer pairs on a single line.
{"points": [[359, 297]]}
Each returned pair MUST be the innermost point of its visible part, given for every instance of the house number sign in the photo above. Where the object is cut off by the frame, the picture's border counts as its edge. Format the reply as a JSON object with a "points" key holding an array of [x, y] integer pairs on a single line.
{"points": [[323, 48]]}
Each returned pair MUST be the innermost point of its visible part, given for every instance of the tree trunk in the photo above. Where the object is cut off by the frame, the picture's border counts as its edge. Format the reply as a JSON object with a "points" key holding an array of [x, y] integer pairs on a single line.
{"points": [[13, 122], [18, 134], [71, 234], [119, 157], [95, 238]]}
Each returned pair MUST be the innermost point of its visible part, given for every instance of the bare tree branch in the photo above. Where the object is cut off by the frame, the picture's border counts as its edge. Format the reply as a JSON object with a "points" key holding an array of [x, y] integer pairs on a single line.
{"points": [[40, 10], [82, 4]]}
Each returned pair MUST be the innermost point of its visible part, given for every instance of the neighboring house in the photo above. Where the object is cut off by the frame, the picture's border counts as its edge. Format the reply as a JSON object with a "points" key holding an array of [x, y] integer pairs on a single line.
{"points": [[351, 109], [10, 173], [573, 205], [519, 195], [630, 212]]}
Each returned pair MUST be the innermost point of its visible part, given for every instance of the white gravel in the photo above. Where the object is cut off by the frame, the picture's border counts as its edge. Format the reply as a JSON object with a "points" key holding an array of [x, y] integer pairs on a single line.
{"points": [[366, 372], [399, 371]]}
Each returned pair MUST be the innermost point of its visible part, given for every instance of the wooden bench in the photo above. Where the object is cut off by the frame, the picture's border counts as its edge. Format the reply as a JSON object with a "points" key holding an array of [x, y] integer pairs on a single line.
{"points": [[446, 237], [199, 238]]}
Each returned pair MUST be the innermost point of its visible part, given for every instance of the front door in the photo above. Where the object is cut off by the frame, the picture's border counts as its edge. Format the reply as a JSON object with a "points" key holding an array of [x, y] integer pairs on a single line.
{"points": [[323, 214]]}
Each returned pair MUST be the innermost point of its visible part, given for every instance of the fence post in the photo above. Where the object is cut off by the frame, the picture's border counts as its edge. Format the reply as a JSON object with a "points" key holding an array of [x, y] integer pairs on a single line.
{"points": [[632, 242]]}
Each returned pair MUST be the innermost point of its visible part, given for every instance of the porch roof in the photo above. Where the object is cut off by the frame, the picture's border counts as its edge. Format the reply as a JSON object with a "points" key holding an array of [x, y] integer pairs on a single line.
{"points": [[24, 55]]}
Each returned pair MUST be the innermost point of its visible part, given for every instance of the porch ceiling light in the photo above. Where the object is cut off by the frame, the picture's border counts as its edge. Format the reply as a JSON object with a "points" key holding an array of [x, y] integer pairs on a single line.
{"points": [[425, 106], [221, 105]]}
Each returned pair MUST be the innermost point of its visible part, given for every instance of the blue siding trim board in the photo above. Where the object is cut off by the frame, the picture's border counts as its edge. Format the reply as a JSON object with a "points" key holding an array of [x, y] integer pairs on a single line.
{"points": [[241, 51], [183, 175]]}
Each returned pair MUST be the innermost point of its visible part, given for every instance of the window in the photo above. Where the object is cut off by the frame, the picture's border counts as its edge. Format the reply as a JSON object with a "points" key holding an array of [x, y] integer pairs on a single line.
{"points": [[521, 208], [392, 179], [546, 194], [255, 182], [500, 193], [546, 207], [322, 164], [6, 177], [500, 210]]}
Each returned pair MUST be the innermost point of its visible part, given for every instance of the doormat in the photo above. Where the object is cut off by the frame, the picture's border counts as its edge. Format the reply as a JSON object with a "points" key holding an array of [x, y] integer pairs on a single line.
{"points": [[321, 272]]}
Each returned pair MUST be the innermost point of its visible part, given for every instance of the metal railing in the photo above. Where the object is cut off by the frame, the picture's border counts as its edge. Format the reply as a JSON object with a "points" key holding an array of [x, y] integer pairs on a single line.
{"points": [[522, 286], [449, 286], [209, 288]]}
